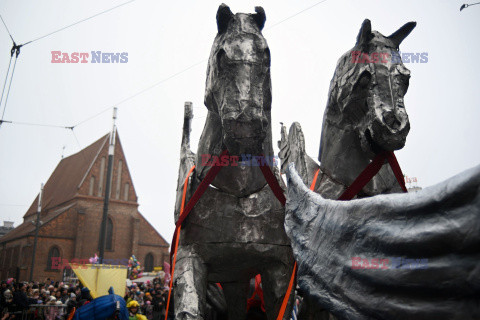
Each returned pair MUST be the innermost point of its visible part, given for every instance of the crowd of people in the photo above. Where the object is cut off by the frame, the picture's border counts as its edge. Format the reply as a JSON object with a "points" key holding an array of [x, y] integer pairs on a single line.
{"points": [[52, 300]]}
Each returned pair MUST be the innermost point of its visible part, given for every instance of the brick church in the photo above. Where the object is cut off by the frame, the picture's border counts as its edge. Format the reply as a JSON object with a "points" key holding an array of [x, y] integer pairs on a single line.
{"points": [[72, 207]]}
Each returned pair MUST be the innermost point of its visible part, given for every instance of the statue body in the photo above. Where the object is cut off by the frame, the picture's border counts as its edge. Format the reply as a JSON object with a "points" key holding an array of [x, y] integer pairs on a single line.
{"points": [[365, 115], [236, 230]]}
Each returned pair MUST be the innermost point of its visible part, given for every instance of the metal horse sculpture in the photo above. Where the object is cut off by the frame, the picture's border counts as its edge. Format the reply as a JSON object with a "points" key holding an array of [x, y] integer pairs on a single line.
{"points": [[236, 230], [396, 256], [365, 114]]}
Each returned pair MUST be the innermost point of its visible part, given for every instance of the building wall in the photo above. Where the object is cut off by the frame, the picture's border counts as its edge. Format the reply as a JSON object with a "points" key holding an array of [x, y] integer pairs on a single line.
{"points": [[76, 231]]}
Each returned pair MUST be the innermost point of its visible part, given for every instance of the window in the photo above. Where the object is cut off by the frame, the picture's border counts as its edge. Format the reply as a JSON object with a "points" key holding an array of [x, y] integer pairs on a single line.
{"points": [[109, 235], [119, 180], [92, 185], [126, 191], [102, 173], [148, 266], [53, 254]]}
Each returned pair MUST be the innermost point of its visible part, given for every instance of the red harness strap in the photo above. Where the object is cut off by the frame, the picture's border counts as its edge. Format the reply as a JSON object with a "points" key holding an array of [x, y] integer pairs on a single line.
{"points": [[392, 160], [367, 174], [211, 174], [257, 292], [273, 183], [370, 171], [278, 192], [184, 211]]}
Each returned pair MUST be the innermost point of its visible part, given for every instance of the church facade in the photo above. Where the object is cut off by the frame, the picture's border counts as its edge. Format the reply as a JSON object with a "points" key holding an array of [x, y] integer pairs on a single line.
{"points": [[72, 208]]}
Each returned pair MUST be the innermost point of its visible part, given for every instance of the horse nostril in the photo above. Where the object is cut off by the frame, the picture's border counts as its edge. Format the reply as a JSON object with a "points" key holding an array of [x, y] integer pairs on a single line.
{"points": [[391, 120], [264, 123]]}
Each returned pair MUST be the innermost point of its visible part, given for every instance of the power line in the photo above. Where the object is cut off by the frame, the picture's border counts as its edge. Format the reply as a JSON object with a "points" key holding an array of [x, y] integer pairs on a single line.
{"points": [[156, 83], [7, 28], [141, 91], [75, 23], [6, 78], [16, 50], [80, 147], [34, 124], [294, 15], [184, 70], [464, 6]]}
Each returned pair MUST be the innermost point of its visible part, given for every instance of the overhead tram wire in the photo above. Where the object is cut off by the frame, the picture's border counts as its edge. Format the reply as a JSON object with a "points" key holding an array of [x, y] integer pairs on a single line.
{"points": [[153, 85], [6, 79], [78, 22], [16, 49], [140, 92], [294, 15], [7, 28]]}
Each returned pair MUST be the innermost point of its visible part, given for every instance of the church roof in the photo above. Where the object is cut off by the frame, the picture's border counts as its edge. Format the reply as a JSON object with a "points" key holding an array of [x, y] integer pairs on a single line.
{"points": [[67, 177], [61, 187]]}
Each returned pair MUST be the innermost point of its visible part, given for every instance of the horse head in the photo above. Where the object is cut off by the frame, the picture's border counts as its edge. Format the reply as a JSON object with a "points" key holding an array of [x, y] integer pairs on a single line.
{"points": [[238, 85], [367, 90]]}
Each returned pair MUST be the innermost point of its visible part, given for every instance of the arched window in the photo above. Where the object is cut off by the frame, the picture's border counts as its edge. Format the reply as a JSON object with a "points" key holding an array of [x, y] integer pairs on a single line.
{"points": [[92, 185], [148, 266], [53, 258], [126, 191], [119, 179], [109, 235]]}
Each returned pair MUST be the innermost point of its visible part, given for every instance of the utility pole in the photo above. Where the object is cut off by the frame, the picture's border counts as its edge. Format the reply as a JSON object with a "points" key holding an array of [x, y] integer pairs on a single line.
{"points": [[37, 225], [103, 227]]}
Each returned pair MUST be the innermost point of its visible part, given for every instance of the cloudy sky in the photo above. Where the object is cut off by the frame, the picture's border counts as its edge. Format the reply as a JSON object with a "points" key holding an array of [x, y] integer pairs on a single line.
{"points": [[168, 43]]}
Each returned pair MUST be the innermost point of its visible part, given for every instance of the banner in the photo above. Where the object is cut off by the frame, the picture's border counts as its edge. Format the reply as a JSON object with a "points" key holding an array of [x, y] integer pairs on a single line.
{"points": [[98, 278]]}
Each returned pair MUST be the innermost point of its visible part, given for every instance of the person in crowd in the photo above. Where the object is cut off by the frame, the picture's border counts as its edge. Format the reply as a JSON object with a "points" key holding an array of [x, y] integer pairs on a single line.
{"points": [[85, 297], [8, 304], [3, 288], [148, 309], [51, 312], [20, 299], [64, 294], [134, 311], [158, 302]]}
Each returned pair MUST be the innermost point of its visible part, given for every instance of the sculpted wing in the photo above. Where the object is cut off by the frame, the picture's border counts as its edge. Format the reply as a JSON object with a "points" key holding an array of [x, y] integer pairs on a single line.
{"points": [[440, 223], [187, 157], [292, 149]]}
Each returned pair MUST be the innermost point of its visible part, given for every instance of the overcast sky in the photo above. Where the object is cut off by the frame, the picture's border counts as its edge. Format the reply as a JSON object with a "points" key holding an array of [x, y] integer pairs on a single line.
{"points": [[163, 38]]}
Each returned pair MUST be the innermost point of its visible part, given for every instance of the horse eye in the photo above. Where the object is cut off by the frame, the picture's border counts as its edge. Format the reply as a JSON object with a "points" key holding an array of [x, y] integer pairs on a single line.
{"points": [[266, 57], [364, 79], [221, 59]]}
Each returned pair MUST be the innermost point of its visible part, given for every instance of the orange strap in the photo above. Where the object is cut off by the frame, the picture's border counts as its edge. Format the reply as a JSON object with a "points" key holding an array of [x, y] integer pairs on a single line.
{"points": [[312, 186], [185, 185], [287, 295], [72, 313], [292, 278]]}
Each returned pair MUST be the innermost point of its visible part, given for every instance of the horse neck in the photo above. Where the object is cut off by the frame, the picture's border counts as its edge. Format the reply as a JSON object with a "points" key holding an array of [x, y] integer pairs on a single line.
{"points": [[240, 181], [343, 160]]}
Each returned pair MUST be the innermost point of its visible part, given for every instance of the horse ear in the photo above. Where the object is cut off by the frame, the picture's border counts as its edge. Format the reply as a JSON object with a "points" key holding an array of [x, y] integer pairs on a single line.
{"points": [[224, 15], [260, 17], [365, 33], [398, 36]]}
